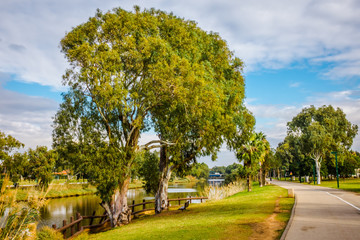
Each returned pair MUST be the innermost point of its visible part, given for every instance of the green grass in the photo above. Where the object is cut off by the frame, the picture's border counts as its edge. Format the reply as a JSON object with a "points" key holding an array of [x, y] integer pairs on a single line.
{"points": [[347, 184], [352, 184], [57, 190], [233, 217]]}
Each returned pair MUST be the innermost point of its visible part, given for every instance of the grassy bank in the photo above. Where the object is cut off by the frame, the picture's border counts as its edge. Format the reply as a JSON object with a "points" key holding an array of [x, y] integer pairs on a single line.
{"points": [[347, 184], [260, 214], [57, 191], [65, 190], [352, 184]]}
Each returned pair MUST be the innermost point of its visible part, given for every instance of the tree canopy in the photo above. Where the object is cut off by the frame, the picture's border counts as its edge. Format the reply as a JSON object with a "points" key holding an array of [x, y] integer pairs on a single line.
{"points": [[316, 132], [134, 70]]}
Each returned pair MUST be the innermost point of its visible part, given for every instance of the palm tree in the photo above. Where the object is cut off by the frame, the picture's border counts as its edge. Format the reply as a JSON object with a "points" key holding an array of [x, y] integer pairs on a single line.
{"points": [[253, 152]]}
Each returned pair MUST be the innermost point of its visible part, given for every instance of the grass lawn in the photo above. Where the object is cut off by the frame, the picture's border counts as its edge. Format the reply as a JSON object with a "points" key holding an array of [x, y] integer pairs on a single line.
{"points": [[58, 189], [260, 214], [352, 184], [347, 184]]}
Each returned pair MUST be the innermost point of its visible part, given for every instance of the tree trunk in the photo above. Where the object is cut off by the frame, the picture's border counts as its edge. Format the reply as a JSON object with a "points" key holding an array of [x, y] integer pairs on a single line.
{"points": [[260, 176], [162, 192], [317, 159], [117, 209], [263, 177], [318, 166], [248, 185]]}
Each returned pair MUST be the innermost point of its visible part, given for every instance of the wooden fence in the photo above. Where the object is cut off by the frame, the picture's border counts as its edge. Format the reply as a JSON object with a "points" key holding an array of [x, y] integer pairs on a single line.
{"points": [[75, 224]]}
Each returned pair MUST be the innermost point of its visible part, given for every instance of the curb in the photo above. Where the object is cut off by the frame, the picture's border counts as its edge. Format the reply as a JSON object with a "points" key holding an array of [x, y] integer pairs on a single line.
{"points": [[283, 236]]}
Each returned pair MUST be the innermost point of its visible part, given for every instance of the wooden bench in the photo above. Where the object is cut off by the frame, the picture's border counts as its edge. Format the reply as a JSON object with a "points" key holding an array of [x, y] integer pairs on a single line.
{"points": [[185, 206]]}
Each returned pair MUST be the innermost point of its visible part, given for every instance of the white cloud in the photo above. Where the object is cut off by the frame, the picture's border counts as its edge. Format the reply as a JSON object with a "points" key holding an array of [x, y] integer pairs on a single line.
{"points": [[28, 119], [273, 118], [295, 85], [270, 34]]}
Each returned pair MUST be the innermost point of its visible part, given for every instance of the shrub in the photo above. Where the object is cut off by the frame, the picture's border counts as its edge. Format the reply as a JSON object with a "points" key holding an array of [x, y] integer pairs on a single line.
{"points": [[48, 233]]}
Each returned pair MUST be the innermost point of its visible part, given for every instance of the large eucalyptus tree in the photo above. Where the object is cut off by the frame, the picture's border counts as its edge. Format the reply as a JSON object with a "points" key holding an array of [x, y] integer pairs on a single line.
{"points": [[320, 131], [133, 70]]}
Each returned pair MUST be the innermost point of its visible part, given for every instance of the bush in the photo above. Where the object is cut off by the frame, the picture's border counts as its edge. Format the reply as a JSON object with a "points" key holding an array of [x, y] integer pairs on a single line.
{"points": [[82, 236], [48, 233]]}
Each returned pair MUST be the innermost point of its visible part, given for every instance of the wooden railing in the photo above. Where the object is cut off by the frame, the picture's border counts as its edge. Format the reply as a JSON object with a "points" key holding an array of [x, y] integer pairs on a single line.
{"points": [[75, 224], [144, 209]]}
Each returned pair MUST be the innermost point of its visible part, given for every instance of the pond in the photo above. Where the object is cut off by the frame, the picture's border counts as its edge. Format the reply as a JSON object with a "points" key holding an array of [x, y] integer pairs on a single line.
{"points": [[60, 209]]}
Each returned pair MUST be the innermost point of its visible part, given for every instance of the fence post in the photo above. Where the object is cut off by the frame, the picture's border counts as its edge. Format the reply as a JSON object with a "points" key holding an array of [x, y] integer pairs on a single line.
{"points": [[190, 199], [143, 204], [73, 226], [200, 200], [133, 207], [64, 231], [103, 218], [77, 218], [179, 200], [92, 219]]}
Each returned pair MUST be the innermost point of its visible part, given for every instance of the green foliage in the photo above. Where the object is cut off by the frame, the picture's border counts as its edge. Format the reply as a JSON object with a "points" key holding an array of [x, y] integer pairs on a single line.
{"points": [[47, 233], [149, 171], [216, 169], [234, 173], [132, 70], [253, 152], [7, 145], [14, 164], [41, 165], [312, 135], [233, 216], [18, 219], [200, 170]]}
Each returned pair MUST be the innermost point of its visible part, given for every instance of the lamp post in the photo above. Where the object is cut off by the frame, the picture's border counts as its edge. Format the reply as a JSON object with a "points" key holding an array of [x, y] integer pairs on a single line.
{"points": [[337, 174], [314, 172]]}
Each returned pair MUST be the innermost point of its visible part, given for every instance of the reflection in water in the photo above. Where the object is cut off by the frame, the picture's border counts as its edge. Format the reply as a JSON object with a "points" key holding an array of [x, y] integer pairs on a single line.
{"points": [[60, 209]]}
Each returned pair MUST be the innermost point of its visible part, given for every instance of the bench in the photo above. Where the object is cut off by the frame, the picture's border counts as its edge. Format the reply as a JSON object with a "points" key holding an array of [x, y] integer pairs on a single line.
{"points": [[185, 206]]}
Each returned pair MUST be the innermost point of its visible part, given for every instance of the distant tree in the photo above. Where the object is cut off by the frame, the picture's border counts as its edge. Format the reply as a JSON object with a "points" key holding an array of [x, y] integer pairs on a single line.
{"points": [[252, 153], [218, 169], [149, 171], [267, 163], [232, 173], [16, 166], [321, 131], [200, 170], [42, 164], [11, 162]]}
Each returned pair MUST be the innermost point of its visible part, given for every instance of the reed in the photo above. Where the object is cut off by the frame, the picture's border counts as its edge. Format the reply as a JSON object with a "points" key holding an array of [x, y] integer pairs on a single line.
{"points": [[18, 219], [220, 192]]}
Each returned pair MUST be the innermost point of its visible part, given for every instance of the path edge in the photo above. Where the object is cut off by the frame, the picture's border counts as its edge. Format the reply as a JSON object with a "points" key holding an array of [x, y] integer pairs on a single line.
{"points": [[283, 236]]}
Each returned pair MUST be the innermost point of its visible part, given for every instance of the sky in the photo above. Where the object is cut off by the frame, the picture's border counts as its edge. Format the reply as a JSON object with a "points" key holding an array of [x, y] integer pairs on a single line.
{"points": [[296, 54]]}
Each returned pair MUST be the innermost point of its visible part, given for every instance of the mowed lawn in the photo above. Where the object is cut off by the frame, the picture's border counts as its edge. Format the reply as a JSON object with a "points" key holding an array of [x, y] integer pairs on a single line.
{"points": [[236, 217], [352, 184], [347, 184]]}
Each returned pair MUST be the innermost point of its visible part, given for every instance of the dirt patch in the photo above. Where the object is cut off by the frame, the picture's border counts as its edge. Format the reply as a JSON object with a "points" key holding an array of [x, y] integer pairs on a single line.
{"points": [[270, 228]]}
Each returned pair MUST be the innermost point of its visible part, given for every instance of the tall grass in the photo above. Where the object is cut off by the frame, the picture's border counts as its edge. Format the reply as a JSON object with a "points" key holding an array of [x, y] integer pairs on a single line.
{"points": [[220, 192], [18, 219]]}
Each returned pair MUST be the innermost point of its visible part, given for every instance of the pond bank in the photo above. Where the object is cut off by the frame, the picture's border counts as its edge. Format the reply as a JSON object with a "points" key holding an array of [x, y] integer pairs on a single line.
{"points": [[242, 216], [81, 189]]}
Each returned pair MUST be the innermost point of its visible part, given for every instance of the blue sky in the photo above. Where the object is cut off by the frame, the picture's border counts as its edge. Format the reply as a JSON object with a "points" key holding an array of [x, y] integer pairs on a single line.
{"points": [[297, 53]]}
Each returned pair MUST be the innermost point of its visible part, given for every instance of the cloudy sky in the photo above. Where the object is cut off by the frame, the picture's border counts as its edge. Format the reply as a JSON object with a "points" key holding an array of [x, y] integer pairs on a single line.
{"points": [[297, 53]]}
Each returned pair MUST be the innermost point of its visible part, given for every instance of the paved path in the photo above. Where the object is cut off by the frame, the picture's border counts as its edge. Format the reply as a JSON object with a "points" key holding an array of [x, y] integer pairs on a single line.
{"points": [[323, 213]]}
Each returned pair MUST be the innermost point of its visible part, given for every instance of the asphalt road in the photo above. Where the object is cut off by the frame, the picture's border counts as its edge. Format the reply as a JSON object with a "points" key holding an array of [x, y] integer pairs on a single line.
{"points": [[323, 213]]}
